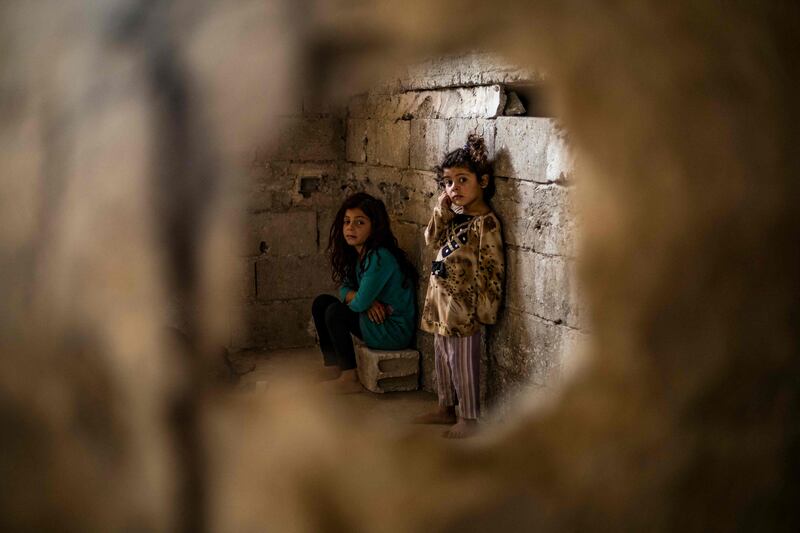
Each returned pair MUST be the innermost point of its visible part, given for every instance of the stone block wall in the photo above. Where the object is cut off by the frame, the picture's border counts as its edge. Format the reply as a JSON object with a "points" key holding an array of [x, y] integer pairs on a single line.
{"points": [[292, 198], [386, 142], [397, 133]]}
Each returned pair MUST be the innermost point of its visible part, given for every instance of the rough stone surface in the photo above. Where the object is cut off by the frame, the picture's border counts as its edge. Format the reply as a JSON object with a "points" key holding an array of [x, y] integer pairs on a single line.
{"points": [[407, 194], [289, 233], [422, 191], [478, 68], [387, 370], [526, 349], [269, 183], [542, 285], [356, 149], [473, 102], [410, 238], [428, 136], [460, 128], [532, 149], [288, 276], [388, 142], [538, 217], [325, 219], [514, 105]]}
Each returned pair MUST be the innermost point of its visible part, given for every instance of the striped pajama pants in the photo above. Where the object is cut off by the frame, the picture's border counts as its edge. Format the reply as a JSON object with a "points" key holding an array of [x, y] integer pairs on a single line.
{"points": [[458, 367]]}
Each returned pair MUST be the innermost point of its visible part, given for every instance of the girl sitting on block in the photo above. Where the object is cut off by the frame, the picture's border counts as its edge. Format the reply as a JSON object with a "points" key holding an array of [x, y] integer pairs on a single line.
{"points": [[376, 294]]}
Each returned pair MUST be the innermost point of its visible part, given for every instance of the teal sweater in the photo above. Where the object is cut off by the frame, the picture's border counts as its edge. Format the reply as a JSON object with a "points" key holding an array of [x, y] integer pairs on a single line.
{"points": [[381, 279]]}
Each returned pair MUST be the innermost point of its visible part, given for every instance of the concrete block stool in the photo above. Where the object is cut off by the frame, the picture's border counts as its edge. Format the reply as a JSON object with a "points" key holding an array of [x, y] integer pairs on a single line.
{"points": [[387, 370]]}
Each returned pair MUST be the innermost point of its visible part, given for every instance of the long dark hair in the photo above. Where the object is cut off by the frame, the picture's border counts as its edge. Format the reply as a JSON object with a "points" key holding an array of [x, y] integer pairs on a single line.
{"points": [[344, 257], [473, 156]]}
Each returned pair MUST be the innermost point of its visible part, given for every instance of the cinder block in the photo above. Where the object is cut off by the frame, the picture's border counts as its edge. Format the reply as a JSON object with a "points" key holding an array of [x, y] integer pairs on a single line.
{"points": [[387, 370], [532, 149]]}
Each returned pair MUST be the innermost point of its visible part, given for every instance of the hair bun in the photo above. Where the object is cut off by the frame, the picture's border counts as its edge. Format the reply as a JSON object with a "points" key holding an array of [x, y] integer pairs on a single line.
{"points": [[476, 147]]}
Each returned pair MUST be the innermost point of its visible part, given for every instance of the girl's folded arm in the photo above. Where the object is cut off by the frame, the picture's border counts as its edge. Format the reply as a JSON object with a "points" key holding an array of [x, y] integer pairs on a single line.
{"points": [[343, 290], [375, 278]]}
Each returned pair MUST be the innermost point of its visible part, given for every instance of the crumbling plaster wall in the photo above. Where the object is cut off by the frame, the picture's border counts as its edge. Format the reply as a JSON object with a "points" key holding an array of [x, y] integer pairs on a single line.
{"points": [[393, 136]]}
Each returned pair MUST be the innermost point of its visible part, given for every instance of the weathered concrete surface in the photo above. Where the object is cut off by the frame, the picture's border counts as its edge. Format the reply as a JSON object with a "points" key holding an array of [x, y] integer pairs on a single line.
{"points": [[531, 149], [387, 370]]}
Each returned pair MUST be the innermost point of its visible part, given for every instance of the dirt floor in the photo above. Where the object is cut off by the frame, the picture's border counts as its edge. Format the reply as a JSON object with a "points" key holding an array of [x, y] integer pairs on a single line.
{"points": [[393, 409]]}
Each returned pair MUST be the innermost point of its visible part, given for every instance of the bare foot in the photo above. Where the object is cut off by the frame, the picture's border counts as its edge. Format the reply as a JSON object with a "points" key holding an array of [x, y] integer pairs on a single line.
{"points": [[443, 415], [464, 428], [347, 383], [327, 373]]}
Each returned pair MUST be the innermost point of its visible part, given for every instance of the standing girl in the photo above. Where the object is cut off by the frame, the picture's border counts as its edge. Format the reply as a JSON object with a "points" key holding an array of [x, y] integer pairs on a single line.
{"points": [[466, 283], [376, 295]]}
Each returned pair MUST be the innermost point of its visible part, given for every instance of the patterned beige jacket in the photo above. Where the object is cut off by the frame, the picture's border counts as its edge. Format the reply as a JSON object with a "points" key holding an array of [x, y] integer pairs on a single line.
{"points": [[466, 283]]}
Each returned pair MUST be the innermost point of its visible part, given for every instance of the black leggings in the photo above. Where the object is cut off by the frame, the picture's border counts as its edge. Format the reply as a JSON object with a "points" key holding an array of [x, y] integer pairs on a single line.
{"points": [[335, 322]]}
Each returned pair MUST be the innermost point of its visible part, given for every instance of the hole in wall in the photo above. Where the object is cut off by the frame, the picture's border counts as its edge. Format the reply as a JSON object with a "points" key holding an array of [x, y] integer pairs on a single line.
{"points": [[532, 100], [308, 185]]}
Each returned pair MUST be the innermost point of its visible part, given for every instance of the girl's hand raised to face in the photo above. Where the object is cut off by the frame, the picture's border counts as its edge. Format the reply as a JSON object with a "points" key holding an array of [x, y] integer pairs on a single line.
{"points": [[377, 312], [444, 201]]}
